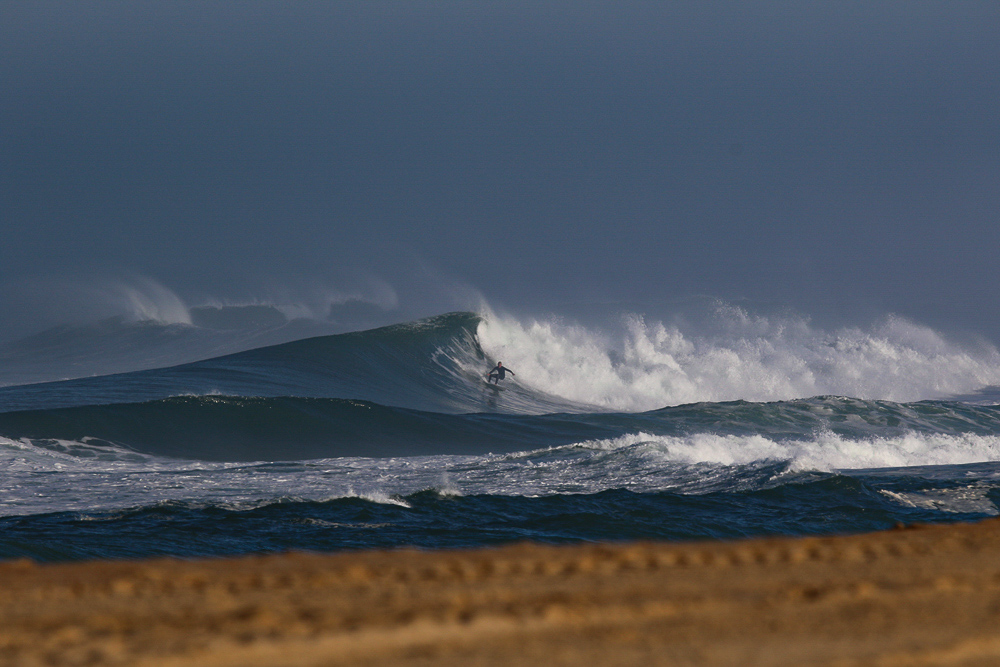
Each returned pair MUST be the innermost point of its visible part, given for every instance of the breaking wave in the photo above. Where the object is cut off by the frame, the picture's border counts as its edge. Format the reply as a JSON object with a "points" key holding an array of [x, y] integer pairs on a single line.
{"points": [[754, 358]]}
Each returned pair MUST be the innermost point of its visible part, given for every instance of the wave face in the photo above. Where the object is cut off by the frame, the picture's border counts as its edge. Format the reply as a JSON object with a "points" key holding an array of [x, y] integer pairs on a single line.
{"points": [[434, 364], [391, 437]]}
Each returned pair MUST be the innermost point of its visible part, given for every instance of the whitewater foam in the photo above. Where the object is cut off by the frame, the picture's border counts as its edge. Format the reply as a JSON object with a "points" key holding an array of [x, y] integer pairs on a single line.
{"points": [[637, 462], [972, 499], [649, 365], [825, 451]]}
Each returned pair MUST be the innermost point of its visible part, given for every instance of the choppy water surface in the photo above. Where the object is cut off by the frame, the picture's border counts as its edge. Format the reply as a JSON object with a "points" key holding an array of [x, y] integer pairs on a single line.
{"points": [[391, 438]]}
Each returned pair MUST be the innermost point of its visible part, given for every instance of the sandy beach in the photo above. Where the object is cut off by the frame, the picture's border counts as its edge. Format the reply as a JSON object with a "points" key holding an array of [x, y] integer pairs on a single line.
{"points": [[923, 595]]}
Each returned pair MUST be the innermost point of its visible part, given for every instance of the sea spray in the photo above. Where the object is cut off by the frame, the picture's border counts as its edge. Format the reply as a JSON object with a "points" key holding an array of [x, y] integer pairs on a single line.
{"points": [[652, 364]]}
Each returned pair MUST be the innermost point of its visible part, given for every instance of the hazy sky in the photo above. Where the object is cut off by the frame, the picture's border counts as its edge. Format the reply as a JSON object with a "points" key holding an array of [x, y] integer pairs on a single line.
{"points": [[839, 158]]}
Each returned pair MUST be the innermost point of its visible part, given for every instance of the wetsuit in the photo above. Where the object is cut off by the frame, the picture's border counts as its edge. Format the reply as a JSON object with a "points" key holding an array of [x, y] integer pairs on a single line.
{"points": [[497, 374]]}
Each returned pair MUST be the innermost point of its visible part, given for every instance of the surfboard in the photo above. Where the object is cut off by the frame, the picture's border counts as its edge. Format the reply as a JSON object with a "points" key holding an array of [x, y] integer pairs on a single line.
{"points": [[494, 386]]}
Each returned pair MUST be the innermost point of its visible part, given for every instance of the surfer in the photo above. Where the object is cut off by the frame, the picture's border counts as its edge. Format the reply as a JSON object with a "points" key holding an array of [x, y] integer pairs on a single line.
{"points": [[496, 374]]}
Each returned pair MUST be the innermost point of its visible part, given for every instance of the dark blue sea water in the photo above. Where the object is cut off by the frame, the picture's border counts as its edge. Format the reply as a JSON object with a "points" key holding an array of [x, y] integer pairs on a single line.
{"points": [[391, 438]]}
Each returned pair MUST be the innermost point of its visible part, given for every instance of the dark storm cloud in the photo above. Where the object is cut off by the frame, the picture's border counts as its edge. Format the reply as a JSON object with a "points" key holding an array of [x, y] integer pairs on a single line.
{"points": [[834, 157]]}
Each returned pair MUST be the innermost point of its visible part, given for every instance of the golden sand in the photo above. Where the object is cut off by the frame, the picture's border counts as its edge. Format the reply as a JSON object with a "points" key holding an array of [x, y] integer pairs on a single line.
{"points": [[916, 596]]}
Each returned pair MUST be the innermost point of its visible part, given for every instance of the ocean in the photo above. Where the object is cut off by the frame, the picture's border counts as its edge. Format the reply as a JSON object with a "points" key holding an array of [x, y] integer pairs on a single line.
{"points": [[390, 437]]}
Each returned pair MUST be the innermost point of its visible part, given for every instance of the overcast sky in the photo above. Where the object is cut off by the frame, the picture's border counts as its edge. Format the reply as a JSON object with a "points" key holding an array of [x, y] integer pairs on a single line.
{"points": [[838, 158]]}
